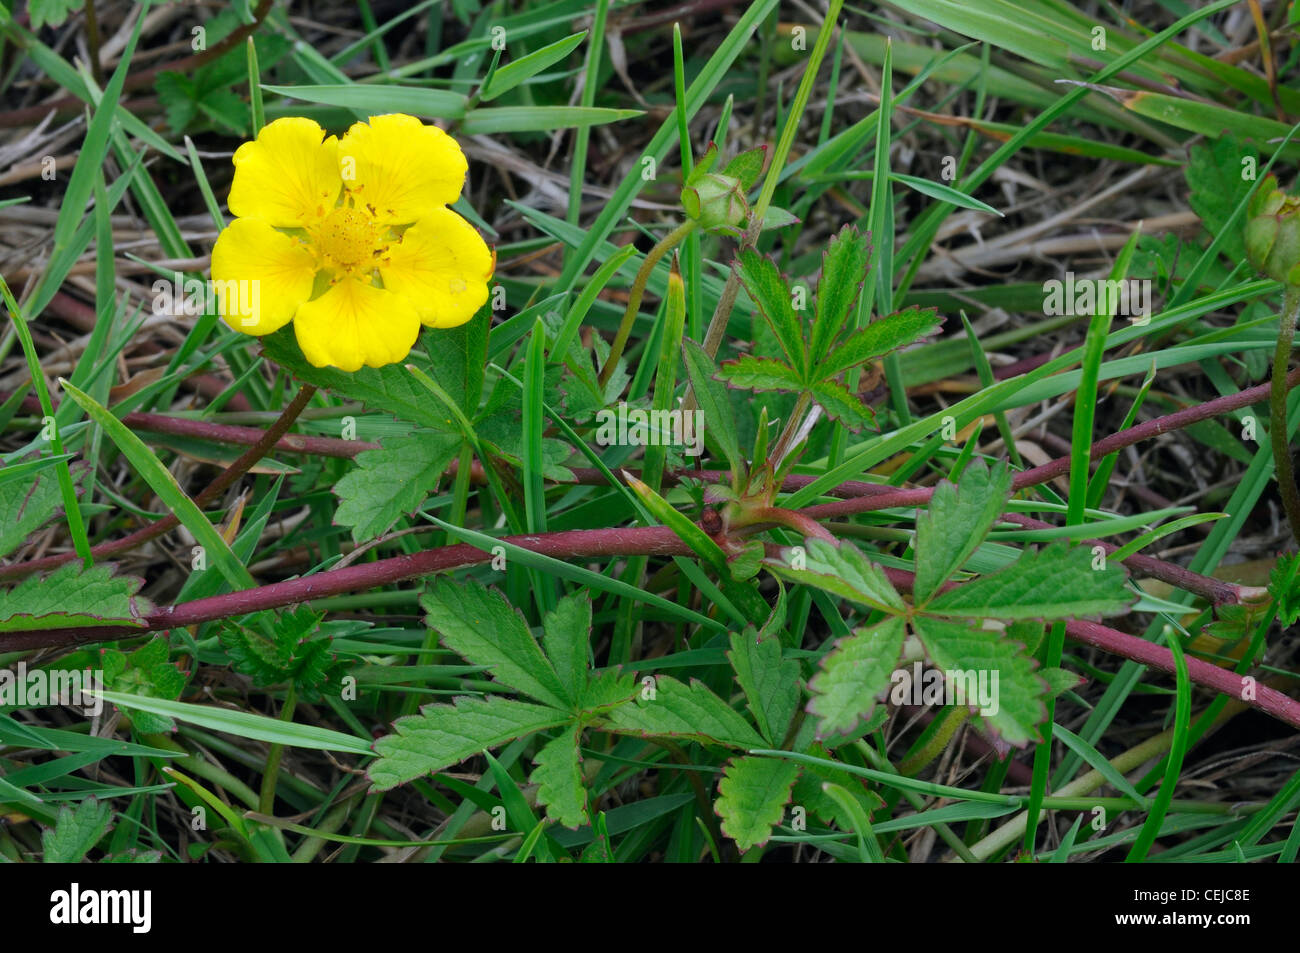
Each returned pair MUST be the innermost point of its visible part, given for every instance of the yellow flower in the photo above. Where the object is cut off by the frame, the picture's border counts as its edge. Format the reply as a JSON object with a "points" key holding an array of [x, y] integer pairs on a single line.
{"points": [[350, 239]]}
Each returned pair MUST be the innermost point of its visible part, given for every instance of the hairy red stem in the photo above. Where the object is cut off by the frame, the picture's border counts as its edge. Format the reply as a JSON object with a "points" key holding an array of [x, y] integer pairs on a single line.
{"points": [[637, 541]]}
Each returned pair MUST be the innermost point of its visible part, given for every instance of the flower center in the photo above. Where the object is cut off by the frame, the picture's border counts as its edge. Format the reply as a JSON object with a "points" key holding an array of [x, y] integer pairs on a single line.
{"points": [[348, 238]]}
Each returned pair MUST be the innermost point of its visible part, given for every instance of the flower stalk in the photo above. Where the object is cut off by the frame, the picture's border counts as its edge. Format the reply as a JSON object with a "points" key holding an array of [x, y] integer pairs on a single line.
{"points": [[1283, 466], [665, 245]]}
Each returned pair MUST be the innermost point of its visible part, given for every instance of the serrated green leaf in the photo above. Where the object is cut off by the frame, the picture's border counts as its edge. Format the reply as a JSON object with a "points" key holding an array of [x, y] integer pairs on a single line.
{"points": [[147, 673], [844, 266], [1061, 679], [842, 405], [857, 669], [566, 632], [753, 794], [711, 395], [1056, 582], [879, 338], [1284, 587], [443, 735], [557, 772], [956, 522], [178, 98], [286, 650], [25, 506], [479, 624], [810, 794], [71, 597], [760, 373], [608, 689], [77, 830], [392, 481], [771, 295], [685, 711], [771, 686], [457, 358], [1215, 187], [843, 570], [391, 388], [1018, 695]]}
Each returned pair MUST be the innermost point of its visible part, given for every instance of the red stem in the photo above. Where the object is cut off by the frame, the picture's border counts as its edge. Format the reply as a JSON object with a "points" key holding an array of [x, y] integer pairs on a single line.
{"points": [[585, 543]]}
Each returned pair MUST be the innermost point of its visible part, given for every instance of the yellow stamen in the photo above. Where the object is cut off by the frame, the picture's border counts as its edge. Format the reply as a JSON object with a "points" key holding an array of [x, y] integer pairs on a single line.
{"points": [[348, 238]]}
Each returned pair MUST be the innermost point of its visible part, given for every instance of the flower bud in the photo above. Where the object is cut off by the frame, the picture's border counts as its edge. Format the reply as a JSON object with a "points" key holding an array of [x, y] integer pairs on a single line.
{"points": [[1273, 232], [717, 202]]}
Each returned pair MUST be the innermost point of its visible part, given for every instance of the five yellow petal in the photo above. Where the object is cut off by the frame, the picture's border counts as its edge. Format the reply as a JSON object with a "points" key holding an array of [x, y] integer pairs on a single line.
{"points": [[380, 195]]}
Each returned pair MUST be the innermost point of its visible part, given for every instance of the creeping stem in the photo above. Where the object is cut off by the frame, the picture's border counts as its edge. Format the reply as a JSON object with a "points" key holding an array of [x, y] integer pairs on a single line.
{"points": [[1277, 406]]}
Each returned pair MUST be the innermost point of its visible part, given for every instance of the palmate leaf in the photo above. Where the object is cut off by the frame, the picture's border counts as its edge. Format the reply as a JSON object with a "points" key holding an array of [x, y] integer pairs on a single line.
{"points": [[1056, 582], [479, 624], [771, 295], [857, 669], [753, 793], [1019, 694], [557, 772], [292, 653], [879, 338], [956, 522], [844, 267], [771, 686], [71, 597], [443, 735], [683, 711], [392, 481]]}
